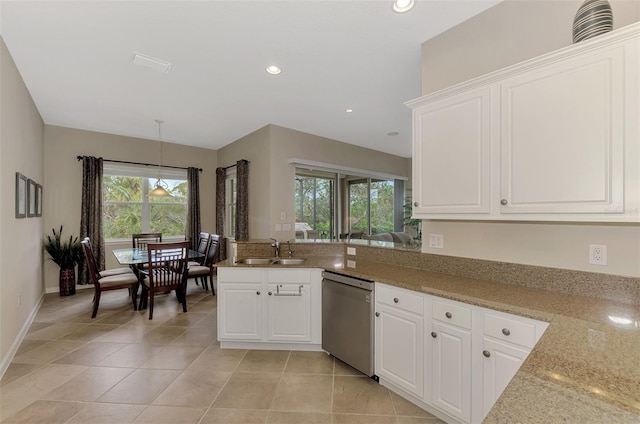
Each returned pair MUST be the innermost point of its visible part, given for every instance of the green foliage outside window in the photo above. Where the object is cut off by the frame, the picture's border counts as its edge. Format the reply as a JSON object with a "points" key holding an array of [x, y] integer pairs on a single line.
{"points": [[314, 193]]}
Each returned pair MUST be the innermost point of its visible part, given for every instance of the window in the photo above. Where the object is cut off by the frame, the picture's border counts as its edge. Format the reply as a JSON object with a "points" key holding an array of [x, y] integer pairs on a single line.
{"points": [[231, 193], [372, 206], [128, 210], [314, 202]]}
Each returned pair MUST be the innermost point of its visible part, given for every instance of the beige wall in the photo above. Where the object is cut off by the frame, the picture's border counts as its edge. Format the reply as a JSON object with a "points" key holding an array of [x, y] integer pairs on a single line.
{"points": [[513, 31], [63, 174], [21, 253]]}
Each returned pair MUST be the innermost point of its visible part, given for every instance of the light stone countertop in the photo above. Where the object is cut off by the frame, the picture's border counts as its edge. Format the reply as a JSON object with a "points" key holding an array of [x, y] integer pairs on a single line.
{"points": [[584, 369]]}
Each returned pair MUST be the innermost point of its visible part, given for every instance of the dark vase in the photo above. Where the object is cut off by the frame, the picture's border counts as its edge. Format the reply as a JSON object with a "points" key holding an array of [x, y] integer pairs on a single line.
{"points": [[594, 17], [67, 282]]}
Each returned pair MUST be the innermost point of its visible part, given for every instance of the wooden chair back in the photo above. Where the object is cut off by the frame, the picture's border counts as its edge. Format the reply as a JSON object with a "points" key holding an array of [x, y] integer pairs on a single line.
{"points": [[91, 261], [168, 265], [141, 240]]}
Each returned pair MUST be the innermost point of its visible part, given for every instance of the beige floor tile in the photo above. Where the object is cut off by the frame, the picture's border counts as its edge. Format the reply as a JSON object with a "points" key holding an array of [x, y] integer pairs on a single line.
{"points": [[140, 387], [170, 415], [89, 385], [25, 390], [248, 391], [27, 345], [420, 420], [343, 369], [48, 352], [106, 413], [280, 417], [303, 393], [15, 371], [163, 335], [234, 416], [363, 419], [185, 320], [55, 331], [219, 359], [173, 357], [90, 354], [131, 355], [309, 363], [360, 395], [405, 408], [264, 361], [126, 334], [194, 388], [122, 317], [36, 326], [196, 336], [90, 332], [45, 412]]}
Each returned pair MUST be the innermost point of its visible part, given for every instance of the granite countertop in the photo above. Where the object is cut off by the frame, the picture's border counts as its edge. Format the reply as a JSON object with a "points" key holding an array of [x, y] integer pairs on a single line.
{"points": [[586, 366]]}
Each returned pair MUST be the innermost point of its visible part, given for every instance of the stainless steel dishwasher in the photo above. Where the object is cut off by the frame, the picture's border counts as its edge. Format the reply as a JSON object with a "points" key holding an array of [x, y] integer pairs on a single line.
{"points": [[348, 330]]}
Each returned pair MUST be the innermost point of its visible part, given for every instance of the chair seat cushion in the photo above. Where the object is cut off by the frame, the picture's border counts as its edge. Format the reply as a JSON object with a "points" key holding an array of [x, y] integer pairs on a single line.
{"points": [[115, 271], [118, 280], [199, 270], [193, 263]]}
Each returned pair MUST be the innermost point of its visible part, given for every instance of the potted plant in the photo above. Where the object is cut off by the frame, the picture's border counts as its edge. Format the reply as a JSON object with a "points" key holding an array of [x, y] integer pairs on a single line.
{"points": [[66, 254]]}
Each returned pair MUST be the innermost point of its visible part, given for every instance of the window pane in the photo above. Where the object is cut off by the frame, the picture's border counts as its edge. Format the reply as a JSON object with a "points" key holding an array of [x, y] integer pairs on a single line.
{"points": [[382, 206], [122, 189], [358, 206], [168, 219], [122, 220], [176, 188]]}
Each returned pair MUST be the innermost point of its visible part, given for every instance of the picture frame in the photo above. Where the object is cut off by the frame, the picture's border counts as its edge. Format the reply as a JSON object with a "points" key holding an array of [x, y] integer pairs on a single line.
{"points": [[31, 198], [38, 199], [21, 196]]}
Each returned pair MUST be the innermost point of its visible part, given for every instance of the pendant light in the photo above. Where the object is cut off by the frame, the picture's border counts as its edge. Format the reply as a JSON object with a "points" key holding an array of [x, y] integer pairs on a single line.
{"points": [[160, 189]]}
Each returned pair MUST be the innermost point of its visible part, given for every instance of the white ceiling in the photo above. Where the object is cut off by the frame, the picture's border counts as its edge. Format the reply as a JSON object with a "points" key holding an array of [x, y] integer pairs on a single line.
{"points": [[75, 58]]}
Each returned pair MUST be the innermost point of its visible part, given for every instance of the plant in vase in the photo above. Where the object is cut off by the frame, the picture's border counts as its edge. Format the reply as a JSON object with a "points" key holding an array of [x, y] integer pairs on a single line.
{"points": [[66, 254]]}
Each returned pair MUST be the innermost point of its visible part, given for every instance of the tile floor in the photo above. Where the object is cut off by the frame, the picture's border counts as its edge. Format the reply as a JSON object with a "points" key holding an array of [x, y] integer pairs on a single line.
{"points": [[123, 368]]}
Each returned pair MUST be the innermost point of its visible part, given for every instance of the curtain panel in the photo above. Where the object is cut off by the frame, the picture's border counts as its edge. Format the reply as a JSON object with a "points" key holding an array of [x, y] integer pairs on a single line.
{"points": [[221, 177], [91, 213], [192, 230], [242, 200]]}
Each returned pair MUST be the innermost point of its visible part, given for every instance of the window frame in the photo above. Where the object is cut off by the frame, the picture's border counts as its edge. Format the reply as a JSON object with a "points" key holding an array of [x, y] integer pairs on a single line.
{"points": [[230, 202]]}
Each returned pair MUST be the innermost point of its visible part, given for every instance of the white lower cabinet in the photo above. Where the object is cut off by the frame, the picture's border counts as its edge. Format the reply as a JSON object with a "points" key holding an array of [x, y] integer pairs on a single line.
{"points": [[468, 353], [269, 308]]}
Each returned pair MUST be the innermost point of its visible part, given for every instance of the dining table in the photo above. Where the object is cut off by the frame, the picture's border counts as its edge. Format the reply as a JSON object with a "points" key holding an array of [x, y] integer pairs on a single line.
{"points": [[135, 258]]}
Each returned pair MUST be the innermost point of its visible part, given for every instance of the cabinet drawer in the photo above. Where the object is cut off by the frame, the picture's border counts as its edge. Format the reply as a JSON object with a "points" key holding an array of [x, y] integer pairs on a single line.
{"points": [[239, 275], [510, 330], [452, 313], [400, 298], [289, 276]]}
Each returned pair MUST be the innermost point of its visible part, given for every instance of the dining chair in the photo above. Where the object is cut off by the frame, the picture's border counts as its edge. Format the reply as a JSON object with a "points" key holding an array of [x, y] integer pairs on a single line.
{"points": [[108, 272], [206, 270], [141, 240], [113, 282], [203, 246], [166, 271]]}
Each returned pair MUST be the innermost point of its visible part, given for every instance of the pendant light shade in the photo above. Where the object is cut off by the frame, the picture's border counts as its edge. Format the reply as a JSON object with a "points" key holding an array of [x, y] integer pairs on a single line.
{"points": [[160, 187]]}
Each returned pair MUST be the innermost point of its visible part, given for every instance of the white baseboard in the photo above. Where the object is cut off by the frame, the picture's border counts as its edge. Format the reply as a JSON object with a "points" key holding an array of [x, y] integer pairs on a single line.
{"points": [[18, 340]]}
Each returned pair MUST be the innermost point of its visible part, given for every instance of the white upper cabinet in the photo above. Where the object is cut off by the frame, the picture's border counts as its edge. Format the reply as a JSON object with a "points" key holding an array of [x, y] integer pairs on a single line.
{"points": [[555, 138]]}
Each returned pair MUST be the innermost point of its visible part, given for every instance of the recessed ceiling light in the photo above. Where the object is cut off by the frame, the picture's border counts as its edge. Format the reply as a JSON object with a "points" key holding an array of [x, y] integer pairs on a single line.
{"points": [[349, 110], [273, 70], [402, 6], [393, 133]]}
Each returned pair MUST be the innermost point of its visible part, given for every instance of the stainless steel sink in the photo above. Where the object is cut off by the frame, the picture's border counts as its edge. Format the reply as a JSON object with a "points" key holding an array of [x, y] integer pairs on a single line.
{"points": [[290, 261], [255, 261]]}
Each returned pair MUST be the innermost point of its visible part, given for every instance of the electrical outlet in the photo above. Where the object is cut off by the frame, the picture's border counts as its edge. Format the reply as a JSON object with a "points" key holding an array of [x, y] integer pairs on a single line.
{"points": [[436, 241], [597, 254], [351, 251]]}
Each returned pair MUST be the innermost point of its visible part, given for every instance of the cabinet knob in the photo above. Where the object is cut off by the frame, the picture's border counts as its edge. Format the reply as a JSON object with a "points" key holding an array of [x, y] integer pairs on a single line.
{"points": [[503, 202], [486, 353], [396, 300], [434, 334], [506, 331], [448, 315], [270, 293], [415, 204], [377, 314], [258, 293]]}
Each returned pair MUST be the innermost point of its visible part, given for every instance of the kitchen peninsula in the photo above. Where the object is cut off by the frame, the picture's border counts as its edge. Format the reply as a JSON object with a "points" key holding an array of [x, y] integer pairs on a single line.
{"points": [[584, 368]]}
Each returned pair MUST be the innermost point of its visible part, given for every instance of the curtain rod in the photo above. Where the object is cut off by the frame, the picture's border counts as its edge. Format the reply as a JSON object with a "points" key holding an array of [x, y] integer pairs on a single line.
{"points": [[231, 166], [141, 163]]}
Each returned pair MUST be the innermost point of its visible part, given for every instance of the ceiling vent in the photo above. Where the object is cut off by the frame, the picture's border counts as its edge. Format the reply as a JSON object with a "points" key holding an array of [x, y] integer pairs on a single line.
{"points": [[156, 64]]}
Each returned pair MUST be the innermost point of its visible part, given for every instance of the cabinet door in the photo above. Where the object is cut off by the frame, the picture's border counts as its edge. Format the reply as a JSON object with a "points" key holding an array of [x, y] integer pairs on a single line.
{"points": [[451, 154], [400, 348], [562, 137], [501, 362], [240, 311], [451, 370], [289, 309]]}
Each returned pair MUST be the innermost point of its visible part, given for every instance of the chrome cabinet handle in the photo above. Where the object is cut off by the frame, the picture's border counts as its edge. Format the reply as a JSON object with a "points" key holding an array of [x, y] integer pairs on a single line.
{"points": [[486, 353], [506, 331], [396, 300], [434, 334], [288, 294], [377, 314], [448, 315], [503, 202]]}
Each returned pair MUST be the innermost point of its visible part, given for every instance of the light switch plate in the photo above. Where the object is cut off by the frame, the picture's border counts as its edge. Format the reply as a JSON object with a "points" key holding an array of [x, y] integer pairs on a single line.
{"points": [[351, 251], [278, 227]]}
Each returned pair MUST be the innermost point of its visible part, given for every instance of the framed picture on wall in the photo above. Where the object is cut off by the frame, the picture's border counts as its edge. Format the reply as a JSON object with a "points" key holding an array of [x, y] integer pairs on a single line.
{"points": [[31, 197], [38, 199], [21, 195]]}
